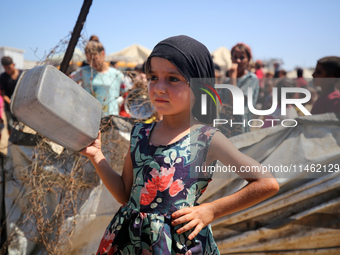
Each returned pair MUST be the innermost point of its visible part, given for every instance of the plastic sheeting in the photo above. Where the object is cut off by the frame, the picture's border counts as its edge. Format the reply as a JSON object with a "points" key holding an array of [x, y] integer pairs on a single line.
{"points": [[303, 218]]}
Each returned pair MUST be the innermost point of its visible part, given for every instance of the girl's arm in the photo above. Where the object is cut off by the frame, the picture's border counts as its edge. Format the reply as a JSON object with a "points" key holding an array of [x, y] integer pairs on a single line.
{"points": [[118, 185], [260, 186], [232, 72]]}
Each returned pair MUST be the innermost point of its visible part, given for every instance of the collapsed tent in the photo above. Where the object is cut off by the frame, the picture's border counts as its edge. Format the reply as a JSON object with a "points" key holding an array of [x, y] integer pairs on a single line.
{"points": [[302, 218]]}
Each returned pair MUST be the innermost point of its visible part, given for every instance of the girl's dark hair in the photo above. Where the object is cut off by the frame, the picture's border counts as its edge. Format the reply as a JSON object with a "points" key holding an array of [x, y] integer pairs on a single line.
{"points": [[331, 65]]}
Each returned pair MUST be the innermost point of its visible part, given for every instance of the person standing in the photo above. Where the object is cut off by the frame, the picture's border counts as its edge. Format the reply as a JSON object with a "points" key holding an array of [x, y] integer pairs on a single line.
{"points": [[8, 81], [239, 76], [99, 79]]}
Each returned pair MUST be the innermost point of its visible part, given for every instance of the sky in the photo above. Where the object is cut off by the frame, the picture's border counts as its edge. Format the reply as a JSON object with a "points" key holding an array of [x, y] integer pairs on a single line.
{"points": [[297, 31]]}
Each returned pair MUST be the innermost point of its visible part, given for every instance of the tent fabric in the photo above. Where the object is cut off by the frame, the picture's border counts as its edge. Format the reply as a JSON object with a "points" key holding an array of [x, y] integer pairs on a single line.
{"points": [[222, 57], [302, 218], [135, 53], [77, 57]]}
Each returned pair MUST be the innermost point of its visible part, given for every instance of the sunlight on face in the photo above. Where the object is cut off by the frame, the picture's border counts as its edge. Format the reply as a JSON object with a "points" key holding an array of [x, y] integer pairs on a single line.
{"points": [[169, 91]]}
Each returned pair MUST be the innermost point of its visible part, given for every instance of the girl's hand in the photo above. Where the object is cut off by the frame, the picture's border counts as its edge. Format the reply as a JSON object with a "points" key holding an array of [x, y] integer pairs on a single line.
{"points": [[197, 217], [93, 149], [232, 72]]}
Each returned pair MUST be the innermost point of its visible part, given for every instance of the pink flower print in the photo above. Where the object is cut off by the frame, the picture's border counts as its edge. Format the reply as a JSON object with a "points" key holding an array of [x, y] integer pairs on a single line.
{"points": [[209, 132], [106, 242], [165, 179], [176, 187], [143, 215], [147, 131]]}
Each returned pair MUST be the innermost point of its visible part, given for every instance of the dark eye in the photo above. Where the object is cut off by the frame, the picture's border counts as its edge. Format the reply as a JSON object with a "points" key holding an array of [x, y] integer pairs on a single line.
{"points": [[152, 78], [173, 79]]}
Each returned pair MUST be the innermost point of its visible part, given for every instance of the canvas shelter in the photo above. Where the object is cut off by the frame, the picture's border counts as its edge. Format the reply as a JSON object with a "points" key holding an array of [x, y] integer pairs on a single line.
{"points": [[222, 57], [130, 56]]}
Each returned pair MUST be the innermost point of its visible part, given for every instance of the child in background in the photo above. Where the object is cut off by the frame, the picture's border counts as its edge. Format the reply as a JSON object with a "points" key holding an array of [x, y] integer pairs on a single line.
{"points": [[326, 75], [160, 213], [240, 76]]}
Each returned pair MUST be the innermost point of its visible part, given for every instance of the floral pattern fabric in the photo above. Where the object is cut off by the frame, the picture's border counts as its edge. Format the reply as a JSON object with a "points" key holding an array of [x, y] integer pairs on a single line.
{"points": [[164, 182]]}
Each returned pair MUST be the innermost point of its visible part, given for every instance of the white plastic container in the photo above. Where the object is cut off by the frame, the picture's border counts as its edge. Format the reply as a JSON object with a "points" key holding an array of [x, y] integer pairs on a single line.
{"points": [[55, 106]]}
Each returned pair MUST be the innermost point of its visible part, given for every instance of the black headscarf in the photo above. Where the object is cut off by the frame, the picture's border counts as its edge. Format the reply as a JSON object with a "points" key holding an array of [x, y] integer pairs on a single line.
{"points": [[193, 60]]}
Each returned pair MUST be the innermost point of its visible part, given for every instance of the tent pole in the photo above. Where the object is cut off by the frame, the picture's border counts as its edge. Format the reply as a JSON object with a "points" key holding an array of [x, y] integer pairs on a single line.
{"points": [[75, 35]]}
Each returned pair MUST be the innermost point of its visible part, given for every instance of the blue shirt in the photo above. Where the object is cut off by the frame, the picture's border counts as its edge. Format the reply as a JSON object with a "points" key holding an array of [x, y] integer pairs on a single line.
{"points": [[106, 87]]}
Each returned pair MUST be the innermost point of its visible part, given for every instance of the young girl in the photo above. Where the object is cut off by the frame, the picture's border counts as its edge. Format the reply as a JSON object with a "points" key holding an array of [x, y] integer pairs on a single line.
{"points": [[102, 81], [240, 76], [160, 214]]}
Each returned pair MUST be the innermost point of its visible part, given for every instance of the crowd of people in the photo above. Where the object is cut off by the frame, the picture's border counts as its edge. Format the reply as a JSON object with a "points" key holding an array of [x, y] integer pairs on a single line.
{"points": [[111, 86], [247, 74]]}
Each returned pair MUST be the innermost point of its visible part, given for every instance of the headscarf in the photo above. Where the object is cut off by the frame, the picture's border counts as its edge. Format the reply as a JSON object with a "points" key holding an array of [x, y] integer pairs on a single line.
{"points": [[193, 60]]}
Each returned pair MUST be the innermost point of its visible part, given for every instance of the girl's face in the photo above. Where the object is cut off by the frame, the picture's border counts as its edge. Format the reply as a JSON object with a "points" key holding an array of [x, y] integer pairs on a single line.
{"points": [[169, 92], [96, 60], [240, 58]]}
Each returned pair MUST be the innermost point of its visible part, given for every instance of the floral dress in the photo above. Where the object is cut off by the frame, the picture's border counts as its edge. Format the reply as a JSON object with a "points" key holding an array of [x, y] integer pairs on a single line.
{"points": [[163, 183]]}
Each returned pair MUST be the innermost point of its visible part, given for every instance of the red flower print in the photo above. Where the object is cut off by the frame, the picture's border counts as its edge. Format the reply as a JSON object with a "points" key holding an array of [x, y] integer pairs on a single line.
{"points": [[160, 181], [176, 187], [146, 252], [148, 193], [112, 250], [106, 242]]}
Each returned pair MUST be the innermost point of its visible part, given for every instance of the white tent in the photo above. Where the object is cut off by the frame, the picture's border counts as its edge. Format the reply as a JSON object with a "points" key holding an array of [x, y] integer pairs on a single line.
{"points": [[222, 57], [135, 54]]}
